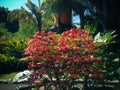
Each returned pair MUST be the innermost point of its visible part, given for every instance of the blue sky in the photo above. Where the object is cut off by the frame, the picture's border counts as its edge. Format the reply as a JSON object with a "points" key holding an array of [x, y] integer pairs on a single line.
{"points": [[15, 4]]}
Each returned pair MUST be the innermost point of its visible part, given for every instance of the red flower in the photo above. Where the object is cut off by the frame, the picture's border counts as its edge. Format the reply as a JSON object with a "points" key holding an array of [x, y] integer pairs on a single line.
{"points": [[71, 53]]}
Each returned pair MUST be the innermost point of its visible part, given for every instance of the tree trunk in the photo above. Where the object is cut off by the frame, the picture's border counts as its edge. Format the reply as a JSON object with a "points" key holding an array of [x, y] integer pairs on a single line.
{"points": [[65, 15], [106, 14], [39, 25], [81, 16]]}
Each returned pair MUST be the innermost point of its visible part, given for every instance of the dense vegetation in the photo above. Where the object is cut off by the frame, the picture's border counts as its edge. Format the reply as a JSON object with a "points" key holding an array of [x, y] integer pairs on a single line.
{"points": [[18, 26]]}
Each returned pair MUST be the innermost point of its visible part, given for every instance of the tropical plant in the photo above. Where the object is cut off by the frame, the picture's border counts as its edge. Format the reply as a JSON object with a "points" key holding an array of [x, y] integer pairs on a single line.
{"points": [[110, 59], [4, 31], [60, 59], [36, 11], [50, 10]]}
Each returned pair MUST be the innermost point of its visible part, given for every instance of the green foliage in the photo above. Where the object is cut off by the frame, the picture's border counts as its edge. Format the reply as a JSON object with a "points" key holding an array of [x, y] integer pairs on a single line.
{"points": [[47, 21], [10, 53], [12, 44], [4, 33], [7, 76], [26, 30], [52, 6], [93, 24], [3, 30], [36, 11], [105, 38], [13, 47], [6, 63], [111, 60], [3, 14], [118, 70], [50, 9], [112, 65]]}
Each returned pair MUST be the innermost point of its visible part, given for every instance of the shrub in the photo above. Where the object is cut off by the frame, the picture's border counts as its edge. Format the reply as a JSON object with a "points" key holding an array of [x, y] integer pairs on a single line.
{"points": [[11, 51], [59, 59], [107, 50]]}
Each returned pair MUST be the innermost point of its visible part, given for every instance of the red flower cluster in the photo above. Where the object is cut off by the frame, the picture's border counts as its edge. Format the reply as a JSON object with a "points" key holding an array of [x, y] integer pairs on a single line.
{"points": [[56, 55]]}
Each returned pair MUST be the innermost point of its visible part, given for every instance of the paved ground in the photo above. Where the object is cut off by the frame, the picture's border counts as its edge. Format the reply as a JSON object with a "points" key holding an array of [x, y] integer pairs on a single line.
{"points": [[5, 86], [8, 86], [12, 87]]}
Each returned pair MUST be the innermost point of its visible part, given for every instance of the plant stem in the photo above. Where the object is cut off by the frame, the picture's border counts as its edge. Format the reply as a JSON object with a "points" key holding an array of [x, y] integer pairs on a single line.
{"points": [[56, 76]]}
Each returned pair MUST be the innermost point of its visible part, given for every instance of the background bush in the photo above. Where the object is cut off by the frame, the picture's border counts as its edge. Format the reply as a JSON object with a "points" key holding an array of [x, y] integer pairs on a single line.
{"points": [[10, 55]]}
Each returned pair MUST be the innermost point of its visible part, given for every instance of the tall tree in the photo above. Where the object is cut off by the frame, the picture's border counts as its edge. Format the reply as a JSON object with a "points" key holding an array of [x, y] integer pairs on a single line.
{"points": [[36, 11], [109, 10], [27, 23], [16, 16], [11, 26], [3, 14]]}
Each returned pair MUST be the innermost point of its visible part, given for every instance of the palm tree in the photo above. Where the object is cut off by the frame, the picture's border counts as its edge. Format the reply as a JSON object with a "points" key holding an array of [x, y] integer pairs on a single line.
{"points": [[36, 11]]}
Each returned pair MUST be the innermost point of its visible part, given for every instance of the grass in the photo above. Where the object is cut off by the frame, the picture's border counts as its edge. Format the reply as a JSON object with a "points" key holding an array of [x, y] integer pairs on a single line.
{"points": [[7, 76]]}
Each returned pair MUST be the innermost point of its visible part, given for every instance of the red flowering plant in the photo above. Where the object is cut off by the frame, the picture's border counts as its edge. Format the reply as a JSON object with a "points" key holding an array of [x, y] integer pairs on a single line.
{"points": [[58, 59]]}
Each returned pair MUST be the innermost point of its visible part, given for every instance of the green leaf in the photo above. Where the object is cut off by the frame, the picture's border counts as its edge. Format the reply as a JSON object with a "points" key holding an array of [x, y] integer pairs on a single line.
{"points": [[118, 71], [116, 60], [58, 35]]}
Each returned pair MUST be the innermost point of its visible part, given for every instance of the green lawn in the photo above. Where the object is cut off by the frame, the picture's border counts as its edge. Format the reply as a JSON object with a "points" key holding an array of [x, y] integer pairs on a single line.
{"points": [[7, 76]]}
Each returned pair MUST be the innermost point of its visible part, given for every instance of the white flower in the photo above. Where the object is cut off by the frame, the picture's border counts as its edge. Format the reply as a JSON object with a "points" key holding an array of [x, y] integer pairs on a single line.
{"points": [[98, 38]]}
